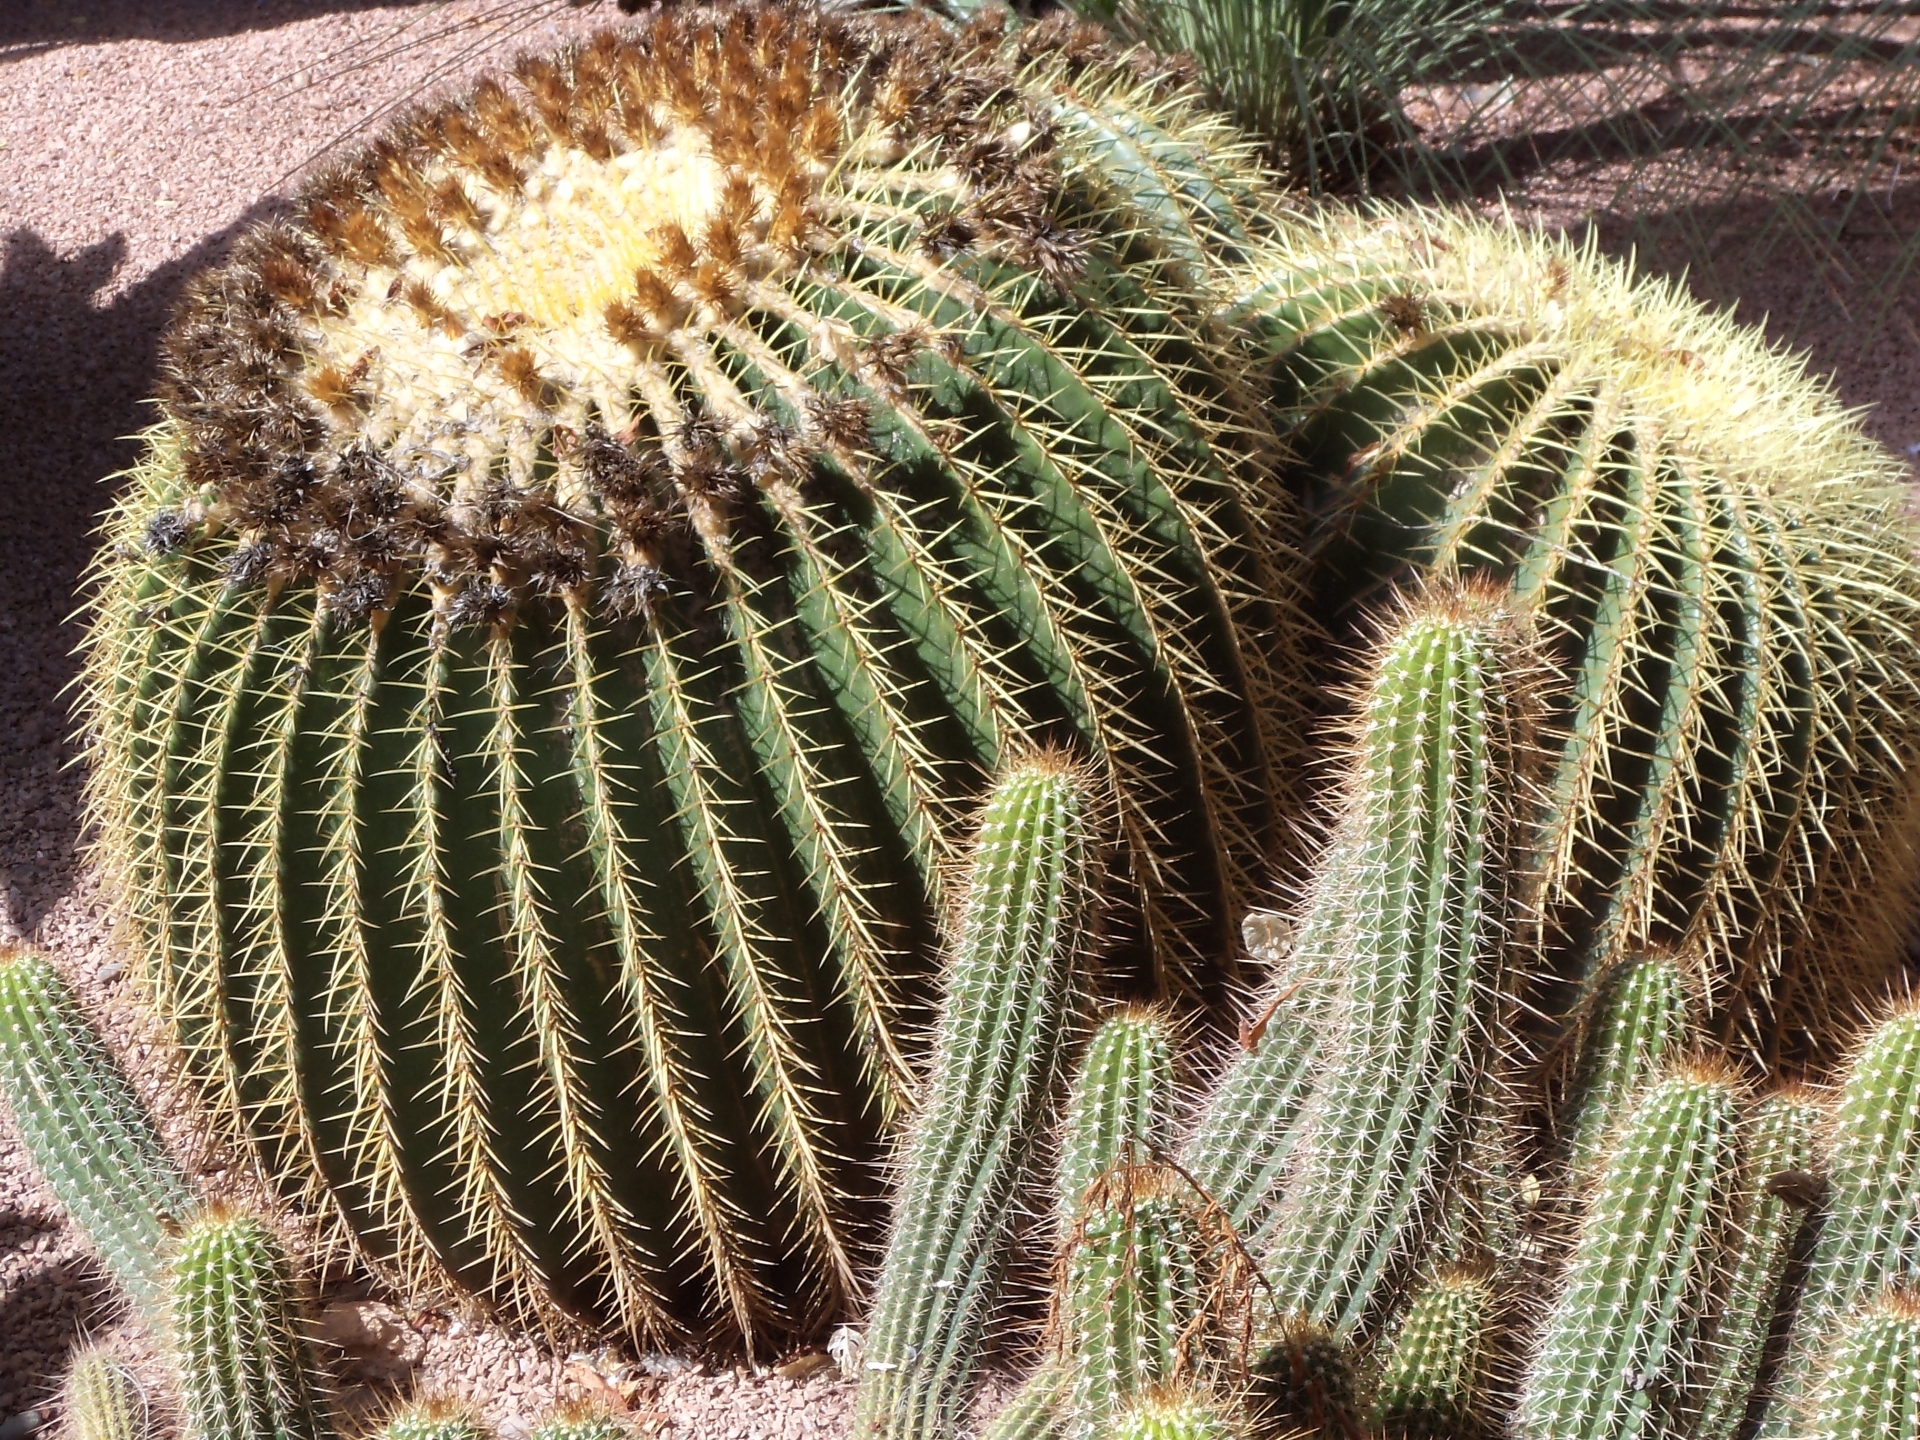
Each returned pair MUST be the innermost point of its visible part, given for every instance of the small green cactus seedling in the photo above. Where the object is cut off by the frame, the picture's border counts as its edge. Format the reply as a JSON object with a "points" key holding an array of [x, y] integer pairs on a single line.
{"points": [[1174, 1414], [1120, 1111], [583, 1422], [1014, 978], [1438, 1381], [1869, 1233], [1417, 891], [1778, 1189], [435, 1420], [1620, 1343], [1638, 1027], [86, 1130], [246, 1371], [1870, 1381], [103, 1399]]}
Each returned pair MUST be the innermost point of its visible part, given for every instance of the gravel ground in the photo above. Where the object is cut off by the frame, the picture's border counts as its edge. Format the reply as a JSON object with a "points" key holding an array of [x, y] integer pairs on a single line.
{"points": [[136, 138]]}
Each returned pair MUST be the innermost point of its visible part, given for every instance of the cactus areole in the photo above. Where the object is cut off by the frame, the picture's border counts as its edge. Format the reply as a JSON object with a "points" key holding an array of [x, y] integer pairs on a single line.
{"points": [[592, 554]]}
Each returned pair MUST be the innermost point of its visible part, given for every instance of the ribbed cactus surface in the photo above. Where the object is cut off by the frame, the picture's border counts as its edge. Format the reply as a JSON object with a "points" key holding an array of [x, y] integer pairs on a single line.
{"points": [[1717, 558], [1870, 1382], [435, 1420], [1121, 1108], [590, 558], [1869, 1234], [86, 1130], [1437, 1381], [1416, 892], [1037, 1410], [1015, 975], [1621, 1345], [102, 1399], [1639, 1025], [246, 1371]]}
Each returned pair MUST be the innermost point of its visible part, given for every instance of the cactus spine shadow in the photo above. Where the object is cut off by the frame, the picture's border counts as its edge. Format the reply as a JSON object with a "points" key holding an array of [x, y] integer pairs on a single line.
{"points": [[1014, 982]]}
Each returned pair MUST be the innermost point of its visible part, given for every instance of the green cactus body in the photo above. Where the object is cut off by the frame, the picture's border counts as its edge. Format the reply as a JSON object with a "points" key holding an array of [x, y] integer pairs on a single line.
{"points": [[1133, 1291], [588, 565], [1778, 1162], [1037, 1410], [1013, 981], [1618, 1354], [1717, 557], [1639, 1026], [1420, 910], [1438, 1382], [246, 1372], [103, 1399], [1175, 1416], [86, 1130], [1870, 1383], [1120, 1110], [1869, 1233], [583, 1422], [1305, 1376], [435, 1420]]}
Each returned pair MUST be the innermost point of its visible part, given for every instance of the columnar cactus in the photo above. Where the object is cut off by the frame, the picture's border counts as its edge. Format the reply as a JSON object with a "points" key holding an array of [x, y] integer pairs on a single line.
{"points": [[591, 556], [1870, 1382], [1418, 895], [1622, 1341], [246, 1371], [1715, 554], [1121, 1108], [1015, 974], [1869, 1233], [102, 1399], [583, 1422], [86, 1130], [1037, 1410], [1439, 1378], [1639, 1025]]}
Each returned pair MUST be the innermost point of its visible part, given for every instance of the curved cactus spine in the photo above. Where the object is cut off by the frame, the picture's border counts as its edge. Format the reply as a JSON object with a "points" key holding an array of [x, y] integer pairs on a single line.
{"points": [[246, 1371], [793, 487], [1133, 1291], [1013, 980], [1174, 1415], [1721, 558], [1869, 1233], [1036, 1411], [103, 1399], [1438, 1382], [1618, 1352], [1419, 906], [435, 1420], [1639, 1026], [1776, 1198], [1120, 1110], [86, 1130], [1870, 1383]]}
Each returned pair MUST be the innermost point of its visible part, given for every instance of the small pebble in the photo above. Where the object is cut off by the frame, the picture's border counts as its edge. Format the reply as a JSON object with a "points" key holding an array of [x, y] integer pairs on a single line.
{"points": [[18, 1427]]}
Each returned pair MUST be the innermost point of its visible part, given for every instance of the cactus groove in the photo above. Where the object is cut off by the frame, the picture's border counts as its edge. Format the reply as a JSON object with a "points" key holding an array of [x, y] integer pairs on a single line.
{"points": [[590, 560], [86, 1130], [1013, 985]]}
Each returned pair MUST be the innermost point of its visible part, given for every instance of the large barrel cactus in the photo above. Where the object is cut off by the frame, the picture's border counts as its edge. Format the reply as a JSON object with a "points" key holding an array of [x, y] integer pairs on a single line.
{"points": [[1718, 560], [588, 561]]}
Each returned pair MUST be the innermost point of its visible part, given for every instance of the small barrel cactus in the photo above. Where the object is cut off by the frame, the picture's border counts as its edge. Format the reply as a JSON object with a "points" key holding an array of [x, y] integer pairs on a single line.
{"points": [[1175, 1414], [1439, 1379], [1870, 1381], [1718, 559], [583, 1422], [86, 1130], [435, 1420], [589, 562], [246, 1370], [1014, 980]]}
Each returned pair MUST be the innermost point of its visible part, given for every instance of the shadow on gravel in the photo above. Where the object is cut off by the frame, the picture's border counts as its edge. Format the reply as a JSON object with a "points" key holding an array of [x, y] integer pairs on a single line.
{"points": [[74, 373], [29, 27]]}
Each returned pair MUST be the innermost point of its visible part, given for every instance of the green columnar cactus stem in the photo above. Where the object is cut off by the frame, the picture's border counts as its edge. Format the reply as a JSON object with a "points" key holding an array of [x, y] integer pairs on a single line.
{"points": [[1419, 909], [435, 1420], [1639, 1025], [1777, 1193], [1014, 976], [1619, 1347], [1870, 1383], [1438, 1382], [1869, 1233], [1120, 1110], [1132, 1291], [1174, 1415], [1036, 1411], [246, 1372], [583, 1422], [85, 1129], [1720, 558], [103, 1399], [590, 557]]}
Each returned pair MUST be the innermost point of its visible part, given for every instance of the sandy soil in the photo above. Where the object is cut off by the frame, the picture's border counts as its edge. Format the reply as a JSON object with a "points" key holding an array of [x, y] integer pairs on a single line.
{"points": [[136, 138]]}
